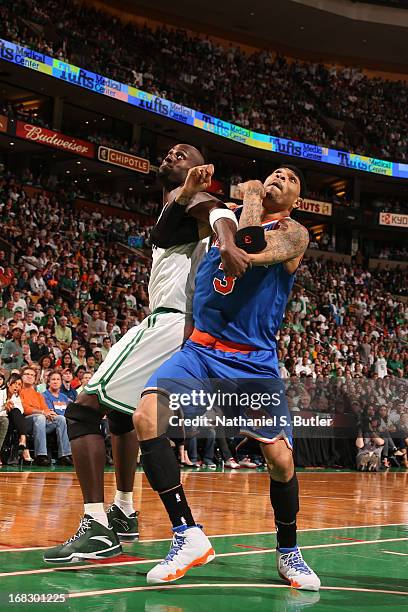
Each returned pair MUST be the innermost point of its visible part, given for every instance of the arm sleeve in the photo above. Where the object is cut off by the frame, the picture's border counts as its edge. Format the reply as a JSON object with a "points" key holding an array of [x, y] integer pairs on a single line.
{"points": [[175, 226]]}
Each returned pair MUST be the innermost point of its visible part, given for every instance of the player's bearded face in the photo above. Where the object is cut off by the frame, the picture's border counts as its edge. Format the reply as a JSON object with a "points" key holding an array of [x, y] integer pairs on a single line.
{"points": [[282, 189]]}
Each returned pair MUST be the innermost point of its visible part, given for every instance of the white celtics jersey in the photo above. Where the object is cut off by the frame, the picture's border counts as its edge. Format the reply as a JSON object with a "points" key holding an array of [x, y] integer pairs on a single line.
{"points": [[172, 279]]}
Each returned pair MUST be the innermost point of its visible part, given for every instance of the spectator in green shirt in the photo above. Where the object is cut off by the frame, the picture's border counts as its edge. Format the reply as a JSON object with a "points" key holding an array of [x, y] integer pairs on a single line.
{"points": [[12, 352], [63, 333], [7, 311]]}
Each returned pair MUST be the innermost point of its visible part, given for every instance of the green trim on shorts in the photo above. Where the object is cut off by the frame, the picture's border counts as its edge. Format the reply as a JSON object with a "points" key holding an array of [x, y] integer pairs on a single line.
{"points": [[99, 388], [163, 309]]}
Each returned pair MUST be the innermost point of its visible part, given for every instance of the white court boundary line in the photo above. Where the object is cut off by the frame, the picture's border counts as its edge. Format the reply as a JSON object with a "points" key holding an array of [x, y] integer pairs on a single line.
{"points": [[230, 535], [233, 585], [265, 551]]}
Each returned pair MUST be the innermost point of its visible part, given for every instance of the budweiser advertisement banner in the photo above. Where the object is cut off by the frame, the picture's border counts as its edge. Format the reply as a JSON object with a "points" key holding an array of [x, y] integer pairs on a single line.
{"points": [[125, 160], [41, 135]]}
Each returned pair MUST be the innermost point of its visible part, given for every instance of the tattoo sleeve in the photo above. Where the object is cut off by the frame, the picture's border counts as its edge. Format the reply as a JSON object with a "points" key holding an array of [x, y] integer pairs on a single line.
{"points": [[252, 210], [287, 242]]}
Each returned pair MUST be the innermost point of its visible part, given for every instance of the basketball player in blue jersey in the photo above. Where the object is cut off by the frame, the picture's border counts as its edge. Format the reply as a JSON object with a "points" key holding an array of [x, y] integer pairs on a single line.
{"points": [[236, 322]]}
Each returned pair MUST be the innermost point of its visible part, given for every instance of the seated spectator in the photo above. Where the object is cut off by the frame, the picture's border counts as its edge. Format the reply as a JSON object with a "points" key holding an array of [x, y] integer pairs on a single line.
{"points": [[97, 353], [46, 364], [86, 377], [37, 283], [10, 402], [79, 358], [386, 430], [106, 347], [12, 357], [369, 454], [54, 397], [65, 361], [3, 334], [63, 333], [29, 324], [79, 374], [38, 347], [42, 421], [67, 389]]}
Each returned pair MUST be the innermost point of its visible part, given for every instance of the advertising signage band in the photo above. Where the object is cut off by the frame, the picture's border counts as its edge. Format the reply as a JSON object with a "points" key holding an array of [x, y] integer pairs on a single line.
{"points": [[394, 219], [38, 134], [125, 160], [68, 73], [316, 207], [3, 123]]}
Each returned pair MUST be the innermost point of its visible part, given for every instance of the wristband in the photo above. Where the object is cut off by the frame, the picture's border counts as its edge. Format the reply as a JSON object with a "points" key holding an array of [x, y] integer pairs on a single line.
{"points": [[221, 213], [251, 239]]}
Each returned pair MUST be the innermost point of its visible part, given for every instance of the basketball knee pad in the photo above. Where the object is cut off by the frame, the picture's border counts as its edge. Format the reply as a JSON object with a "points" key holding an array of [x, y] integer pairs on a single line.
{"points": [[160, 464], [82, 421], [120, 423]]}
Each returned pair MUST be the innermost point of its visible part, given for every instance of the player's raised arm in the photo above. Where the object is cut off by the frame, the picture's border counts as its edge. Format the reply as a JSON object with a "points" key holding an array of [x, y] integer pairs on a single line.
{"points": [[288, 241], [272, 201], [209, 213]]}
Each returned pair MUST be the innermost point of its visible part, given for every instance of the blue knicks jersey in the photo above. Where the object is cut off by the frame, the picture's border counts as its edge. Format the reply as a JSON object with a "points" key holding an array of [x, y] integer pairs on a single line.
{"points": [[247, 310]]}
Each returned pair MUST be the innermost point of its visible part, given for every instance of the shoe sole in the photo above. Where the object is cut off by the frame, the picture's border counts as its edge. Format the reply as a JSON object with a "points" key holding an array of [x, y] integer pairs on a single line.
{"points": [[203, 560], [128, 537], [78, 557], [296, 585]]}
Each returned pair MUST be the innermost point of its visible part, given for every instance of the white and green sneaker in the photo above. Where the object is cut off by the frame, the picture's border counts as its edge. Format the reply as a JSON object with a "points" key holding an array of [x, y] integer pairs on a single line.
{"points": [[91, 541], [125, 527]]}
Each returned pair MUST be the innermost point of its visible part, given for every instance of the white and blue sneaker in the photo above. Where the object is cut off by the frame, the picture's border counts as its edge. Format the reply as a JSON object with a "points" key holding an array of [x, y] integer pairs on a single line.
{"points": [[293, 569], [190, 548]]}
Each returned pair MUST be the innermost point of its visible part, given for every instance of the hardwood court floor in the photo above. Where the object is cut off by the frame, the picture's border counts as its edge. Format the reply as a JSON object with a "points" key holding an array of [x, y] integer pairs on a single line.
{"points": [[353, 531]]}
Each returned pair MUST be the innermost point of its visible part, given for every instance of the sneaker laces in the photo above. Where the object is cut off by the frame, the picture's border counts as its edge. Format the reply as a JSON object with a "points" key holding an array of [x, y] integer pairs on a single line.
{"points": [[295, 561], [84, 525], [176, 546]]}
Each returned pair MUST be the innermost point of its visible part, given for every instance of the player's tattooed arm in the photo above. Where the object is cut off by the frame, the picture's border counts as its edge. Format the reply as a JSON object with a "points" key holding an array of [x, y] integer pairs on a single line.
{"points": [[287, 242], [253, 195]]}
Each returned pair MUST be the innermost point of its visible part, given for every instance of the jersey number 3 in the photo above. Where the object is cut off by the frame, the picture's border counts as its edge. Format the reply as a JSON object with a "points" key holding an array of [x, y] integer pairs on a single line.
{"points": [[224, 285]]}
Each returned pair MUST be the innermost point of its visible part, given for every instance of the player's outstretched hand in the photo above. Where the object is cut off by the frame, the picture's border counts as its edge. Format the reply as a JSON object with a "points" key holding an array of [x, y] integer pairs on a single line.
{"points": [[251, 189], [235, 261], [198, 179]]}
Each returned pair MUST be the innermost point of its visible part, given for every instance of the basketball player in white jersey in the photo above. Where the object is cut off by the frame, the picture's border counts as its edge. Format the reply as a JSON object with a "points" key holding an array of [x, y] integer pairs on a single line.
{"points": [[188, 216]]}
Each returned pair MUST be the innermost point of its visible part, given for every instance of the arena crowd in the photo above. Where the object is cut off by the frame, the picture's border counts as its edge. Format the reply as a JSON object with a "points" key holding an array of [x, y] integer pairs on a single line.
{"points": [[325, 105], [69, 291]]}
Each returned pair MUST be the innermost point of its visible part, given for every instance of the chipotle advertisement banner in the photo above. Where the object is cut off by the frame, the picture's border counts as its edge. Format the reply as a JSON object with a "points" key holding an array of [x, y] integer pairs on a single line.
{"points": [[125, 160], [36, 133]]}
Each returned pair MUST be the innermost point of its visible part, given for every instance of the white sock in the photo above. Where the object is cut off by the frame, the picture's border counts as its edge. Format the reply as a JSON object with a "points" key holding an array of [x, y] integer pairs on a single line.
{"points": [[124, 501], [97, 511]]}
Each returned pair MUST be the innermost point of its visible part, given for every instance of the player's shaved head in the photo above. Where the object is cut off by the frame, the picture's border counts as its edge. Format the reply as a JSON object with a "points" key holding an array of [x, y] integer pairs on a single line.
{"points": [[194, 152], [177, 162]]}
